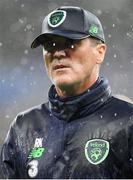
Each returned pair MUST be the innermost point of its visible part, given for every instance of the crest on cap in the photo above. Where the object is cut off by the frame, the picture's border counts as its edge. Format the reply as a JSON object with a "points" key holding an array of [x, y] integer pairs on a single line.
{"points": [[96, 150], [93, 29], [56, 18]]}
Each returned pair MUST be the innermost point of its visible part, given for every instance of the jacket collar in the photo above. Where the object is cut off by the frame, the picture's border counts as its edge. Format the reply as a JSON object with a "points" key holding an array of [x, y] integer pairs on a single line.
{"points": [[82, 105]]}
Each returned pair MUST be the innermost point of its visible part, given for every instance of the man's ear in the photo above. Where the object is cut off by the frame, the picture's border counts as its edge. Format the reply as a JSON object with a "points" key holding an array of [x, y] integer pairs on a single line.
{"points": [[101, 50]]}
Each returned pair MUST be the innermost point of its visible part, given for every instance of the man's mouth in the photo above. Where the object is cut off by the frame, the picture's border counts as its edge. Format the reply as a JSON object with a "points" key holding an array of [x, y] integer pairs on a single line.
{"points": [[61, 66]]}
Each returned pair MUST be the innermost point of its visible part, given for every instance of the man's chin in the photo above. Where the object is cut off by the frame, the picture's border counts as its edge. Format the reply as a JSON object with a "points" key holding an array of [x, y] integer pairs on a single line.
{"points": [[63, 83]]}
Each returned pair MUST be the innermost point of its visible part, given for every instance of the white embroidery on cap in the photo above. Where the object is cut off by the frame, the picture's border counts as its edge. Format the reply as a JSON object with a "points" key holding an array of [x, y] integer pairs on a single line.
{"points": [[56, 18]]}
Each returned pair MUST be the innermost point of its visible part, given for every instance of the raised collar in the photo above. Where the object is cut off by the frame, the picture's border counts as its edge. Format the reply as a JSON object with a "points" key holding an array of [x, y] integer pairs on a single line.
{"points": [[76, 107]]}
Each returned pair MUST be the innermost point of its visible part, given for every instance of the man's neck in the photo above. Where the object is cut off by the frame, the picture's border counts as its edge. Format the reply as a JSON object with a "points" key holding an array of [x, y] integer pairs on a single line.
{"points": [[67, 91]]}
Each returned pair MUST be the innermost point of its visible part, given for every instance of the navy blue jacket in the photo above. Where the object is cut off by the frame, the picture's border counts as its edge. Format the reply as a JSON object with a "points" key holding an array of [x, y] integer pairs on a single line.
{"points": [[86, 136]]}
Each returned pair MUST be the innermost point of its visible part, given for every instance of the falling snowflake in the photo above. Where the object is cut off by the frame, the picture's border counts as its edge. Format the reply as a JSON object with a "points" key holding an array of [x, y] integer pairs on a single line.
{"points": [[101, 116], [3, 80], [107, 64], [115, 114], [21, 21], [1, 44], [113, 46], [130, 159], [7, 116], [99, 12], [15, 102], [11, 85], [50, 151], [115, 56], [28, 26], [32, 68], [101, 99], [129, 34], [109, 36], [113, 25], [22, 5], [121, 123], [26, 51]]}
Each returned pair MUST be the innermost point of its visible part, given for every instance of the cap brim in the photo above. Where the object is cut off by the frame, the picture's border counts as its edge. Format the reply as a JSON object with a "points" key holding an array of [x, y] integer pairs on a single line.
{"points": [[42, 37]]}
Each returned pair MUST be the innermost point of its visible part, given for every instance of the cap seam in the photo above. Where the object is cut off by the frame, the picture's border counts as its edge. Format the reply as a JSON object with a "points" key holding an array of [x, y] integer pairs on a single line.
{"points": [[83, 19]]}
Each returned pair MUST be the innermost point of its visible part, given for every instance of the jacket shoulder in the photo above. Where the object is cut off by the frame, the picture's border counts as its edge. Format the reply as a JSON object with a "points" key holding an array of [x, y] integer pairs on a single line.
{"points": [[122, 103], [121, 107], [116, 108], [32, 116]]}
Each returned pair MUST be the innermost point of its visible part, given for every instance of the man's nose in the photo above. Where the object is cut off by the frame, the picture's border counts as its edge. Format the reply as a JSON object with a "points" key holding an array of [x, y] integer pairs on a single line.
{"points": [[59, 54]]}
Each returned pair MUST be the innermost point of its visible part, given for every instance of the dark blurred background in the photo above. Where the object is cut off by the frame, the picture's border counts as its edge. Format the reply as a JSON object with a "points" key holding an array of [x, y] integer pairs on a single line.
{"points": [[23, 80]]}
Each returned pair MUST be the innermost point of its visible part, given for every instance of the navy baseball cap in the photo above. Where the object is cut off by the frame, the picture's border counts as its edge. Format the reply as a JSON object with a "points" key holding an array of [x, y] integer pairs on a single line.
{"points": [[70, 22]]}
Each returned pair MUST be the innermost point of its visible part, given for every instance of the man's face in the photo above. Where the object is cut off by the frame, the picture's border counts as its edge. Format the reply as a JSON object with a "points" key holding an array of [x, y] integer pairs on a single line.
{"points": [[73, 66]]}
